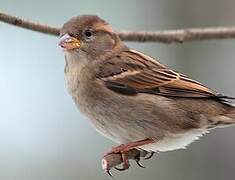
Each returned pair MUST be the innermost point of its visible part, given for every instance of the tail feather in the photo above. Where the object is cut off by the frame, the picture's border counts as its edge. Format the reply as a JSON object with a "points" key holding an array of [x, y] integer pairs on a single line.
{"points": [[227, 119], [226, 100], [231, 114]]}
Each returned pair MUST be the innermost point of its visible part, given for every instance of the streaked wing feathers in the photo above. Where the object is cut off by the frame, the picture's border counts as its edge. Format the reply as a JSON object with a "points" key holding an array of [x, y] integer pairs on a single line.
{"points": [[132, 72]]}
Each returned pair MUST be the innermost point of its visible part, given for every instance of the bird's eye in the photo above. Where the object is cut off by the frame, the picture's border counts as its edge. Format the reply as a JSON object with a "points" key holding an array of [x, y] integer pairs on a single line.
{"points": [[88, 33]]}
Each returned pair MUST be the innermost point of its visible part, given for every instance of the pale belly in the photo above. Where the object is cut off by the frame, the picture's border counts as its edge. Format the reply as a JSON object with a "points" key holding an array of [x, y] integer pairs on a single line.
{"points": [[169, 143], [174, 141], [123, 125]]}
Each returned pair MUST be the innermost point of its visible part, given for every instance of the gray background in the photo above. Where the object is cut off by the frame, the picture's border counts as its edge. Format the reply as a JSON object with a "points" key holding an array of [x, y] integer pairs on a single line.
{"points": [[44, 137]]}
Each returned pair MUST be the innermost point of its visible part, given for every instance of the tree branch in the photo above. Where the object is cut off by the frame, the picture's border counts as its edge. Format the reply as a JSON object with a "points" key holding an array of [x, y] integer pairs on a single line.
{"points": [[168, 36], [180, 35], [16, 21]]}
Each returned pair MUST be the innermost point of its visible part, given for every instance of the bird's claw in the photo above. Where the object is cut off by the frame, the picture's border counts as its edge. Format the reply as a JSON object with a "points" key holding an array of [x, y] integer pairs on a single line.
{"points": [[150, 156], [137, 160], [122, 154], [109, 173], [121, 169], [125, 161]]}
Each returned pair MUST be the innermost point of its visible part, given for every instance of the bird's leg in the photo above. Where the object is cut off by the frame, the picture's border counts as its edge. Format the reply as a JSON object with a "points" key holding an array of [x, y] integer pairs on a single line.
{"points": [[123, 150]]}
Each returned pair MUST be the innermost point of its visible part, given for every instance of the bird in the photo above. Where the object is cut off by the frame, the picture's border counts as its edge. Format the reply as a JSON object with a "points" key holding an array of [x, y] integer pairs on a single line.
{"points": [[133, 99]]}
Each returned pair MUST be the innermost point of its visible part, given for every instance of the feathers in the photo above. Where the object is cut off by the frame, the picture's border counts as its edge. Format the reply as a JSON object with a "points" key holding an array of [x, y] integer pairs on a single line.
{"points": [[132, 72], [120, 88], [175, 141]]}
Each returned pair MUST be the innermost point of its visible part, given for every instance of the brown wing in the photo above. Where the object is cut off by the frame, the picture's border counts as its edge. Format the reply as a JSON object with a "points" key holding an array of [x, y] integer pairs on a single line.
{"points": [[132, 72]]}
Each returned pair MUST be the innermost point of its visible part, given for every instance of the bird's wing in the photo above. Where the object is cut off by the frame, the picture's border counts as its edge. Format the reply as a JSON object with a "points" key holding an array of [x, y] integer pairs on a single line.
{"points": [[132, 72]]}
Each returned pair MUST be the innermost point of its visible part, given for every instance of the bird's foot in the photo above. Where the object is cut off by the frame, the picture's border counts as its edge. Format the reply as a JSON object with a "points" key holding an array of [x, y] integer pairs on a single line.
{"points": [[125, 152]]}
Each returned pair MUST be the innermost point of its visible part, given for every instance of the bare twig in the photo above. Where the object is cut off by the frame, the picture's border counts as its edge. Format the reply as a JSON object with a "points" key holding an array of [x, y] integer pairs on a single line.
{"points": [[169, 36], [179, 36], [16, 21]]}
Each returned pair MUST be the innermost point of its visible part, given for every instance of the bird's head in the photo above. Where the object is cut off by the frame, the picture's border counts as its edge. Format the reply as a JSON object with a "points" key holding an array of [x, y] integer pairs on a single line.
{"points": [[88, 33]]}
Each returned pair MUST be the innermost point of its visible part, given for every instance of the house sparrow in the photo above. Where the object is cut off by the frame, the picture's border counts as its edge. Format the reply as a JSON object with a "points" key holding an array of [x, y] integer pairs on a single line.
{"points": [[130, 97]]}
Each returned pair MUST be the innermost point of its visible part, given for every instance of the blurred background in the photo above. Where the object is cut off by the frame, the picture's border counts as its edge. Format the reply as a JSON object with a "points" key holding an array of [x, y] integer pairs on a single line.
{"points": [[42, 134]]}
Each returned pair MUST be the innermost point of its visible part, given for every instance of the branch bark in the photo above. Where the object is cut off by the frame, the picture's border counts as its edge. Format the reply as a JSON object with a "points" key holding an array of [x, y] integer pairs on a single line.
{"points": [[168, 36], [16, 21]]}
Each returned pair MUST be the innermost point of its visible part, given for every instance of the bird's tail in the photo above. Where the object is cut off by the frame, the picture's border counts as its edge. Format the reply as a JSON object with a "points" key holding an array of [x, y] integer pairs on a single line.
{"points": [[231, 114], [227, 119]]}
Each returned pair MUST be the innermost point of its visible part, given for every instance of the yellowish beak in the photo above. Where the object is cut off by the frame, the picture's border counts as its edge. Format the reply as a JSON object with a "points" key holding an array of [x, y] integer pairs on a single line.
{"points": [[68, 42]]}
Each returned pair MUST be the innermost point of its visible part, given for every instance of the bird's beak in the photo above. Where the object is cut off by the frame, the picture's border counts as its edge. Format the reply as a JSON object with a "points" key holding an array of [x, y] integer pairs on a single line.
{"points": [[68, 42]]}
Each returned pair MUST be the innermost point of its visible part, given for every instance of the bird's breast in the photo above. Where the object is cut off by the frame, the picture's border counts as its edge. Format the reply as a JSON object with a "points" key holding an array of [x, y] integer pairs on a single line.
{"points": [[74, 72], [72, 80]]}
